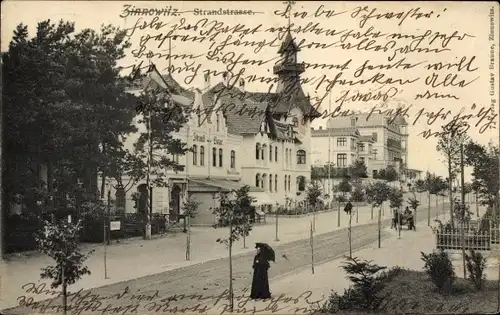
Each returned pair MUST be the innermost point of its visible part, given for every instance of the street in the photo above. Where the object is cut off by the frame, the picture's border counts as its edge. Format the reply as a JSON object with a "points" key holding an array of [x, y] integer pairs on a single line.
{"points": [[201, 288]]}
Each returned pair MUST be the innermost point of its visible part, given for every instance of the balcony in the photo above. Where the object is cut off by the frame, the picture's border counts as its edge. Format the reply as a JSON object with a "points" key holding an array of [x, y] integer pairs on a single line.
{"points": [[391, 143], [289, 67]]}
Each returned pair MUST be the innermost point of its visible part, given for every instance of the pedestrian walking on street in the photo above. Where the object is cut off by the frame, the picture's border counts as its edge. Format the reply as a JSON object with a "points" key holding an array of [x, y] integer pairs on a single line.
{"points": [[348, 207], [260, 282]]}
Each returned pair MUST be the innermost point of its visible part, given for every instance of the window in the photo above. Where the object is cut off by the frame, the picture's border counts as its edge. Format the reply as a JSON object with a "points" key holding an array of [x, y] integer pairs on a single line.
{"points": [[362, 159], [202, 155], [214, 157], [257, 180], [301, 157], [271, 153], [262, 152], [289, 180], [286, 156], [271, 182], [199, 120], [285, 182], [262, 181], [275, 154], [374, 136], [175, 158], [301, 183], [257, 151], [275, 182], [341, 160], [295, 121], [220, 157], [233, 159], [353, 122], [218, 122], [361, 147], [341, 142], [195, 154]]}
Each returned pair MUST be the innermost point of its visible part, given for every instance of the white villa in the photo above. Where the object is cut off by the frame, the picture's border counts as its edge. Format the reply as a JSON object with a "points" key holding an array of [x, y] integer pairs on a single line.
{"points": [[249, 138]]}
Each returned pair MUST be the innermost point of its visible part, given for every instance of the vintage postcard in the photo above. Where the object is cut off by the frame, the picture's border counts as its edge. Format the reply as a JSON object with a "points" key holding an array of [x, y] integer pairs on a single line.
{"points": [[250, 157]]}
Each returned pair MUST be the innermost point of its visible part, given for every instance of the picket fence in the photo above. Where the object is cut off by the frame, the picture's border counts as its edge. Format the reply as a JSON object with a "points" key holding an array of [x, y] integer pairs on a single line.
{"points": [[469, 237]]}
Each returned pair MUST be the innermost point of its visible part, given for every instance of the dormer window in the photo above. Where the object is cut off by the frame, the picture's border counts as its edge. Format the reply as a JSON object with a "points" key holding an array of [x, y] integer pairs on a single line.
{"points": [[295, 122], [218, 123]]}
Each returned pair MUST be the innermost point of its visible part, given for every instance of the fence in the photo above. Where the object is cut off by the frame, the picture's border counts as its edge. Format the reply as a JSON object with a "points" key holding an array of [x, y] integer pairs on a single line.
{"points": [[449, 238], [21, 228]]}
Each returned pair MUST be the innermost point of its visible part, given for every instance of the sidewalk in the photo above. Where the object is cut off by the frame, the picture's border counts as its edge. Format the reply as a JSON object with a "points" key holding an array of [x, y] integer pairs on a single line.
{"points": [[136, 258], [393, 252]]}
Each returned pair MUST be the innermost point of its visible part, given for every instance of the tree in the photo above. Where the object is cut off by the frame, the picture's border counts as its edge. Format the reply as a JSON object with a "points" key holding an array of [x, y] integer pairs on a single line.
{"points": [[434, 185], [380, 194], [313, 192], [485, 168], [59, 241], [391, 174], [190, 208], [344, 186], [449, 145], [467, 189], [66, 122], [395, 198], [420, 186], [476, 187], [167, 118], [233, 211], [357, 194], [381, 174], [358, 171], [395, 202]]}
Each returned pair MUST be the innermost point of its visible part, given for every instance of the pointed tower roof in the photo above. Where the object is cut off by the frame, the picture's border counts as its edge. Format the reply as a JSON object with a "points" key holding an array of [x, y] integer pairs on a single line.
{"points": [[288, 44]]}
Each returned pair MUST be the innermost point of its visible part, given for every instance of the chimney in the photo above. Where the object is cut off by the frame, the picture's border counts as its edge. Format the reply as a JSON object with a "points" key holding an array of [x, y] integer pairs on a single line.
{"points": [[207, 79], [242, 85]]}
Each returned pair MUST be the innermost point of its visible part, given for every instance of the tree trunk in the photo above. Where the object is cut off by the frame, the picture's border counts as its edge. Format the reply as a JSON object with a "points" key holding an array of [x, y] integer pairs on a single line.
{"points": [[231, 301], [188, 239], [311, 241], [379, 225], [450, 184], [350, 236], [399, 223], [429, 211], [477, 207], [64, 292], [50, 186], [357, 212], [103, 179]]}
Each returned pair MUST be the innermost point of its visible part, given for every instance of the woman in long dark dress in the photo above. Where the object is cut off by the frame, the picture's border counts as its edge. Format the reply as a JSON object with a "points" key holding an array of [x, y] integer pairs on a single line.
{"points": [[260, 282]]}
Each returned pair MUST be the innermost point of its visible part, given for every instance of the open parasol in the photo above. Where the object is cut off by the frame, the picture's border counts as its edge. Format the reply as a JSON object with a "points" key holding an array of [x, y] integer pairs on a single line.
{"points": [[267, 251]]}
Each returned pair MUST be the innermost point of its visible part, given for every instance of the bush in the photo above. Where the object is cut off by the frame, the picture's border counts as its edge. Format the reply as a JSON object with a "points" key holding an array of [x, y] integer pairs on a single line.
{"points": [[440, 269], [365, 292], [476, 264]]}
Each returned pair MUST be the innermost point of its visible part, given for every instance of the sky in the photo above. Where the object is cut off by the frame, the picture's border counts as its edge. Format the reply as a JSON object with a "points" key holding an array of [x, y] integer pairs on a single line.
{"points": [[398, 41]]}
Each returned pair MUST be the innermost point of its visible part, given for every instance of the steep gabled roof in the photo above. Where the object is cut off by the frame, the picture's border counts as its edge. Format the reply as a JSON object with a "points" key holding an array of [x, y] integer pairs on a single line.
{"points": [[366, 139], [244, 114]]}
